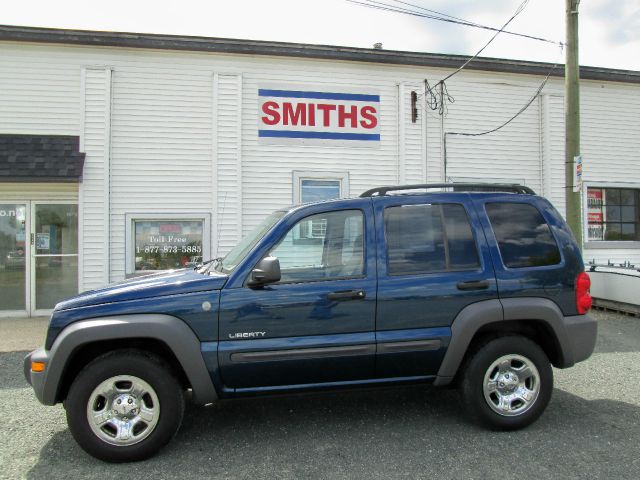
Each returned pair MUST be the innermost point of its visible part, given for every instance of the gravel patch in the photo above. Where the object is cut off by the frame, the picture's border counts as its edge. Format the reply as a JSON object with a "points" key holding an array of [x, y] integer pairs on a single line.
{"points": [[590, 430]]}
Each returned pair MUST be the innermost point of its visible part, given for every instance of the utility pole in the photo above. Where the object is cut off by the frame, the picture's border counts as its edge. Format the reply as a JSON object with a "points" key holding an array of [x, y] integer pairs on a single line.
{"points": [[572, 119]]}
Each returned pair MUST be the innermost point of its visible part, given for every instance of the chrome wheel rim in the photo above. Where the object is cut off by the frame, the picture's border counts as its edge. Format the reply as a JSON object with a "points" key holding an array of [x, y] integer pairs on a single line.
{"points": [[123, 410], [511, 385]]}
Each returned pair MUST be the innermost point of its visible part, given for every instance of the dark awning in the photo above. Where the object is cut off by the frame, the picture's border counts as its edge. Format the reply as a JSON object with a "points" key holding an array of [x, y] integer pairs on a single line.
{"points": [[40, 158]]}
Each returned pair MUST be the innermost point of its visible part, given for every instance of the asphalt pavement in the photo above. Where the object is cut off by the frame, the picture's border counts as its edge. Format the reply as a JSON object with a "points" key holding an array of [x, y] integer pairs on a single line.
{"points": [[591, 429]]}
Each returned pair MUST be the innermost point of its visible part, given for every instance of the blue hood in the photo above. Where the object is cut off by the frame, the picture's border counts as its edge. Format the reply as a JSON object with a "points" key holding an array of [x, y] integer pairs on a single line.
{"points": [[173, 282]]}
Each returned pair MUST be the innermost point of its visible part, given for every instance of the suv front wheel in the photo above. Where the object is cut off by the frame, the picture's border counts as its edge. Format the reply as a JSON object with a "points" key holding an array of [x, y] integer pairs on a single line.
{"points": [[124, 406], [507, 382]]}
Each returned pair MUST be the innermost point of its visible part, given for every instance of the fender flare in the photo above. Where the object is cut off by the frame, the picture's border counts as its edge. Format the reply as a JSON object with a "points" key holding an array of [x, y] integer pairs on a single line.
{"points": [[170, 330], [475, 316]]}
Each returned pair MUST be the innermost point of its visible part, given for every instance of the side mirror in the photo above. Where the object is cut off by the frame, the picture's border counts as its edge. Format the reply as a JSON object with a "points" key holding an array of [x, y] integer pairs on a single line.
{"points": [[266, 271]]}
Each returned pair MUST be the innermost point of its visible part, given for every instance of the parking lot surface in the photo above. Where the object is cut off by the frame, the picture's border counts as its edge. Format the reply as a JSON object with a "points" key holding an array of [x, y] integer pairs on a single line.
{"points": [[591, 429]]}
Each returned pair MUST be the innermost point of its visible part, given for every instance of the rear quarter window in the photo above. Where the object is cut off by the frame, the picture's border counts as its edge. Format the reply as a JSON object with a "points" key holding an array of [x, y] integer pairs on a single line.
{"points": [[429, 238], [524, 237]]}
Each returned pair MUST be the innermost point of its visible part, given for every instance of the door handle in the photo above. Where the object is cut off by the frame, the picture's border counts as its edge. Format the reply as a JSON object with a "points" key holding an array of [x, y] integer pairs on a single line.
{"points": [[473, 285], [347, 295]]}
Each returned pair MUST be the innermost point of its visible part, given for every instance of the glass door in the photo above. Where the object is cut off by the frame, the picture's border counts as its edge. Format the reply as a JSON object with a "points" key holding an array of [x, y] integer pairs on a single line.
{"points": [[13, 254], [54, 243]]}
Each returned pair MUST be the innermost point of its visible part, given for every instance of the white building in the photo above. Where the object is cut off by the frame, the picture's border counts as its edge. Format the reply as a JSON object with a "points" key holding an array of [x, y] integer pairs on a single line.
{"points": [[188, 142]]}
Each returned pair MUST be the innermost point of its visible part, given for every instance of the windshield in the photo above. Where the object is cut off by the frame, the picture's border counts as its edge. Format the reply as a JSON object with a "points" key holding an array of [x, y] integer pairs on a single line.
{"points": [[240, 251]]}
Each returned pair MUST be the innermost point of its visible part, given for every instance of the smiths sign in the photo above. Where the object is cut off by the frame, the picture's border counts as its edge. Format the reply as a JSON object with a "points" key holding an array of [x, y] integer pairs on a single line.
{"points": [[318, 118]]}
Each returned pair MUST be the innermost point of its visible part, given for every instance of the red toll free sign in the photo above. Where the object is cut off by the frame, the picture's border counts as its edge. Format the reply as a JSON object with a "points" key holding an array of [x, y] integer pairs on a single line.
{"points": [[297, 116]]}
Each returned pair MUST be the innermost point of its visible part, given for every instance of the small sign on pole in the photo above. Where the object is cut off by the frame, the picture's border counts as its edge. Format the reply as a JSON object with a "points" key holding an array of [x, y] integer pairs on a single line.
{"points": [[577, 173]]}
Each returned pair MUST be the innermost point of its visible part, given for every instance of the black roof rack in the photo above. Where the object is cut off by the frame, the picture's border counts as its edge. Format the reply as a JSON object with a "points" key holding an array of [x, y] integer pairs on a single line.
{"points": [[458, 187]]}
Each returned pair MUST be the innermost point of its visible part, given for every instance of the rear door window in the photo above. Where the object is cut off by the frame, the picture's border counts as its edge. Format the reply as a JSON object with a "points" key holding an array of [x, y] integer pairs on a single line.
{"points": [[524, 237], [462, 251], [429, 238]]}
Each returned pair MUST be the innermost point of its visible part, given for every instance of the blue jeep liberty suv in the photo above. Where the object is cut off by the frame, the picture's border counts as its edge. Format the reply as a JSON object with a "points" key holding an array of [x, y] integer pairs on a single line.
{"points": [[481, 286]]}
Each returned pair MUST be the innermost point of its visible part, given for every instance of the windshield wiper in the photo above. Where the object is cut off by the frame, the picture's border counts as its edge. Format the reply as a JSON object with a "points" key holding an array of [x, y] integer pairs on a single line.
{"points": [[207, 262]]}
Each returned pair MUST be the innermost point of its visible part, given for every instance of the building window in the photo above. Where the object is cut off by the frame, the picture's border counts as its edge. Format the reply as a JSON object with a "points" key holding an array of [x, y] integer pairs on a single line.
{"points": [[317, 186], [312, 190], [613, 214], [165, 242]]}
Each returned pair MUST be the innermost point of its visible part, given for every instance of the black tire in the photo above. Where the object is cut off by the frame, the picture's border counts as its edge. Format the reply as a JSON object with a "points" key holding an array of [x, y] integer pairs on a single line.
{"points": [[477, 405], [141, 365]]}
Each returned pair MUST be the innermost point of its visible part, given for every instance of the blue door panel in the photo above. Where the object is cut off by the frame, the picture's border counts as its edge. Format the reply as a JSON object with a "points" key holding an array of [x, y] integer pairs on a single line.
{"points": [[300, 333], [430, 300], [296, 316], [417, 304], [296, 310]]}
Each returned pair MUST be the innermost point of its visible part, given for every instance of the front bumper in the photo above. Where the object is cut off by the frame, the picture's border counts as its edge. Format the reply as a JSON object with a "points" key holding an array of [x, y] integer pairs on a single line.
{"points": [[37, 379]]}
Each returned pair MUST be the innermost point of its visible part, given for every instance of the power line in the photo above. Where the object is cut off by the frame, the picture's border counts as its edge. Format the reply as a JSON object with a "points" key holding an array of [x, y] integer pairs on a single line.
{"points": [[519, 10], [477, 134], [526, 105], [439, 16], [437, 100], [440, 13]]}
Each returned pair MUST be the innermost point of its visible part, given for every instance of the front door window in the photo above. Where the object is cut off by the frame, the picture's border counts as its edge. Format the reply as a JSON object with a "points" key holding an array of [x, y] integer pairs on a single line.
{"points": [[13, 248], [56, 253], [38, 255], [323, 247]]}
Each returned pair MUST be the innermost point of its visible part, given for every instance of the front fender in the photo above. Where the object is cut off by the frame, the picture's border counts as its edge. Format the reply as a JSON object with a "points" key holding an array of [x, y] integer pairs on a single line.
{"points": [[172, 331]]}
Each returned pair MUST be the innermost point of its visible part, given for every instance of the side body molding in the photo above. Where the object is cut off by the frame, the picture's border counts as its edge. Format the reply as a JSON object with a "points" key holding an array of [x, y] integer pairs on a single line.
{"points": [[165, 328], [476, 315]]}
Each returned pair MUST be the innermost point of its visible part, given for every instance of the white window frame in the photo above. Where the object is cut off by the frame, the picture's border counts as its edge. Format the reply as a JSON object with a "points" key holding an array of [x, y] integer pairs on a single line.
{"points": [[603, 244], [130, 237], [299, 175]]}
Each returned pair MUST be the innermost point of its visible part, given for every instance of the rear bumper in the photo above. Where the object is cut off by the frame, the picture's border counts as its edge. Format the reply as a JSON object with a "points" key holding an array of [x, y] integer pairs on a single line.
{"points": [[37, 379], [582, 332]]}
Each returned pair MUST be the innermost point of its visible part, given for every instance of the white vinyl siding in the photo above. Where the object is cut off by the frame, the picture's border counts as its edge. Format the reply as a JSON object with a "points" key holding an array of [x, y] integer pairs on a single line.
{"points": [[161, 146], [552, 149], [228, 160], [39, 90], [411, 143], [94, 189], [183, 134], [610, 132], [511, 154]]}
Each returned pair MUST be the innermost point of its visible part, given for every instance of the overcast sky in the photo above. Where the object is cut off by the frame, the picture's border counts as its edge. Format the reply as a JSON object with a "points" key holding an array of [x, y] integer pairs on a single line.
{"points": [[609, 29]]}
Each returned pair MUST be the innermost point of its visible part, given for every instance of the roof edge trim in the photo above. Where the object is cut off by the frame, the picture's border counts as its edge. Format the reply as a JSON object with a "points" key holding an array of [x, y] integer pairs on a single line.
{"points": [[299, 50]]}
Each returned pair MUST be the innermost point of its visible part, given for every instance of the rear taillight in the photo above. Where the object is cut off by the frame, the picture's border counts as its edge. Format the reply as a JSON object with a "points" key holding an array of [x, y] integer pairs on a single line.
{"points": [[583, 298]]}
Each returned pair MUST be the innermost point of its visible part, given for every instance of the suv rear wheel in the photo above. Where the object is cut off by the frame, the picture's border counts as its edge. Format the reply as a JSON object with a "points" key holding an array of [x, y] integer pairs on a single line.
{"points": [[507, 382], [124, 406]]}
